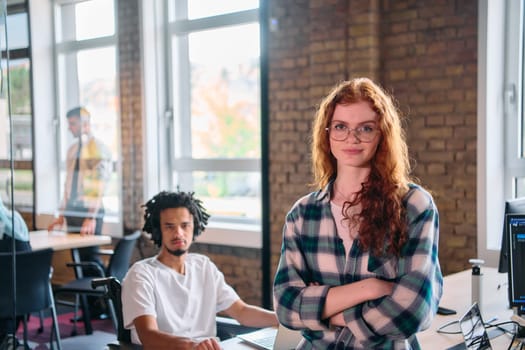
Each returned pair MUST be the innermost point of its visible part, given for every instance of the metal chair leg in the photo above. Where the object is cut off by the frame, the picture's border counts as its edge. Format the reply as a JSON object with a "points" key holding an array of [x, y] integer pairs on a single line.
{"points": [[26, 342], [41, 316], [74, 331], [54, 328]]}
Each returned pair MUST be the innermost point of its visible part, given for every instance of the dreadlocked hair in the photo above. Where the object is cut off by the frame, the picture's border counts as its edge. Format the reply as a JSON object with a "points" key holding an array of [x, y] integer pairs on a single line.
{"points": [[166, 200]]}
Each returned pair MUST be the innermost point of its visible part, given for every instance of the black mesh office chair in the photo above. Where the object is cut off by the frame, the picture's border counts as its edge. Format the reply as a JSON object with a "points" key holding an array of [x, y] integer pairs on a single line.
{"points": [[33, 288], [117, 267], [113, 289]]}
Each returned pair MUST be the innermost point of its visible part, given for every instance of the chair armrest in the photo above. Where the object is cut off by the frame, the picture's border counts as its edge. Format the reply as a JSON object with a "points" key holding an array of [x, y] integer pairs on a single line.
{"points": [[88, 264], [102, 281], [105, 252]]}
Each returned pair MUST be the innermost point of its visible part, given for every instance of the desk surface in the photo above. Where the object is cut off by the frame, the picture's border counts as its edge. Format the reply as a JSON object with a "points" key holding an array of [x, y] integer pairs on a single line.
{"points": [[58, 240], [457, 296]]}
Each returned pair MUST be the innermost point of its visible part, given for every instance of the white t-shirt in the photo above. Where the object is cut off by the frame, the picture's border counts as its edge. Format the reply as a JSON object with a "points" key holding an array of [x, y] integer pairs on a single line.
{"points": [[184, 305]]}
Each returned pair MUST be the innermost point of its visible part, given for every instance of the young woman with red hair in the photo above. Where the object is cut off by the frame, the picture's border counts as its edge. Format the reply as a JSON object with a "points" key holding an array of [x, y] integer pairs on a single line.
{"points": [[359, 267]]}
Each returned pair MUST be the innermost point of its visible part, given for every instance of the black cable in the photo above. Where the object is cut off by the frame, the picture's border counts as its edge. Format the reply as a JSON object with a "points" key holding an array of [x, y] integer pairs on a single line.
{"points": [[512, 341], [440, 329], [486, 325], [506, 331], [498, 325]]}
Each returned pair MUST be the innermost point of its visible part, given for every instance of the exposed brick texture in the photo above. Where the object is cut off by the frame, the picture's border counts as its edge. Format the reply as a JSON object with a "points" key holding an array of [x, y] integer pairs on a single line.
{"points": [[130, 85], [423, 51]]}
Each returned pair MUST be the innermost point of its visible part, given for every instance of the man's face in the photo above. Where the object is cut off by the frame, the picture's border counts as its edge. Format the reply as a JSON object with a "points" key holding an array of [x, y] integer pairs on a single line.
{"points": [[74, 125], [176, 225]]}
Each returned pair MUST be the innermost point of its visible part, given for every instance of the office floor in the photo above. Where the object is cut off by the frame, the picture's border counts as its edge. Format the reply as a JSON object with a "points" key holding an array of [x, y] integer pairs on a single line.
{"points": [[96, 341], [103, 333]]}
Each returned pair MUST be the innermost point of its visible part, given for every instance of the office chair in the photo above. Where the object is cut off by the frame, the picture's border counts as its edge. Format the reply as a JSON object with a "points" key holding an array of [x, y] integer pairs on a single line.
{"points": [[33, 288], [112, 291], [117, 267]]}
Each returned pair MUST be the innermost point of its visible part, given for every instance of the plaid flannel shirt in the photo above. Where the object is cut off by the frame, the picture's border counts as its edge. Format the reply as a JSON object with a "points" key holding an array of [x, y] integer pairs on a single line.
{"points": [[313, 259]]}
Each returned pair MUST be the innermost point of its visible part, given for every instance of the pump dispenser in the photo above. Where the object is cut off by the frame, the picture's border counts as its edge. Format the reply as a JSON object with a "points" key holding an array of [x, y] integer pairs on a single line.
{"points": [[476, 280]]}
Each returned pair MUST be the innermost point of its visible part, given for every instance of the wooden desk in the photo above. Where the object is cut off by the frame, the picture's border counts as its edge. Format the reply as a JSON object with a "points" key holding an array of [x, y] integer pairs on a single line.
{"points": [[58, 240], [62, 244], [457, 296], [66, 247]]}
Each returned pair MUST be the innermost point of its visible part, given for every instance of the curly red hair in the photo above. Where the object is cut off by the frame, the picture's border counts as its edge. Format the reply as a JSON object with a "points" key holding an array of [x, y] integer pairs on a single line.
{"points": [[382, 220]]}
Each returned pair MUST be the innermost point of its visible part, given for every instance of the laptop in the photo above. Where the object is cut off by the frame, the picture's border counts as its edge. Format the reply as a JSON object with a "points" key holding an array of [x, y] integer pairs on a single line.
{"points": [[475, 336], [270, 338]]}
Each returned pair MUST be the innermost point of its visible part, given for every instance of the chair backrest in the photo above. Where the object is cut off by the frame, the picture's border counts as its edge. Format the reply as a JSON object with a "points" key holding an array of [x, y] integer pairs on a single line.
{"points": [[113, 292], [32, 282], [119, 261]]}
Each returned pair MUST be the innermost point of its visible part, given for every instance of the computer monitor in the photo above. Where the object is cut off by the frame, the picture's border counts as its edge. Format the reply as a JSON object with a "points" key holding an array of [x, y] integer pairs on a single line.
{"points": [[512, 206], [515, 232]]}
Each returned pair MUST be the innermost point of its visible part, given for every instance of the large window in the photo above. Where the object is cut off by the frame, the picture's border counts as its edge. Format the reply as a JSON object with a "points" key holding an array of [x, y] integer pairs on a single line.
{"points": [[210, 121], [514, 118], [501, 158], [203, 110], [86, 68], [16, 132]]}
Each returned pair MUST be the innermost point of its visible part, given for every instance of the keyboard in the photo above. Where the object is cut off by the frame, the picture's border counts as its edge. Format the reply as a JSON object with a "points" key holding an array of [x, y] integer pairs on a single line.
{"points": [[262, 338]]}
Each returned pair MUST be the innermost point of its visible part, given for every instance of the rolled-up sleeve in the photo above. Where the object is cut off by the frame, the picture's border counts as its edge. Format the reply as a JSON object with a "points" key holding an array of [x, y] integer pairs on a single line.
{"points": [[297, 303]]}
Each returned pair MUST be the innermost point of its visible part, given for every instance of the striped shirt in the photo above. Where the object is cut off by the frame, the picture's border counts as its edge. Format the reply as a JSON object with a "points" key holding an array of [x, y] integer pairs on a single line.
{"points": [[313, 259]]}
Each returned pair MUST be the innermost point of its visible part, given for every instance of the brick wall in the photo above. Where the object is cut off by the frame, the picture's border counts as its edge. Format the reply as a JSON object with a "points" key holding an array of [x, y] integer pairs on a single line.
{"points": [[130, 85], [241, 268], [430, 63], [424, 52]]}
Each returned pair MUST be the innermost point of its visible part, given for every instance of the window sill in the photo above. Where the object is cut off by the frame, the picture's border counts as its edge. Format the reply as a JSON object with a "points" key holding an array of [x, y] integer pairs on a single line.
{"points": [[238, 235]]}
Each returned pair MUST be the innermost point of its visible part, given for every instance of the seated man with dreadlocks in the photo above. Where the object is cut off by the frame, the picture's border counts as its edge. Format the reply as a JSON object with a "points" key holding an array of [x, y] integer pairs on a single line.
{"points": [[170, 300]]}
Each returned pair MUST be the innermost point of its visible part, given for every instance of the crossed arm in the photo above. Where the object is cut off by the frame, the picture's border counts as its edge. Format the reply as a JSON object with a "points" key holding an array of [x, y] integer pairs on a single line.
{"points": [[346, 296]]}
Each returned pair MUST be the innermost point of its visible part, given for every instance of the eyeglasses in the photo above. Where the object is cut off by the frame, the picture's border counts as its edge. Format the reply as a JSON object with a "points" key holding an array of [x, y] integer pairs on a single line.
{"points": [[364, 133]]}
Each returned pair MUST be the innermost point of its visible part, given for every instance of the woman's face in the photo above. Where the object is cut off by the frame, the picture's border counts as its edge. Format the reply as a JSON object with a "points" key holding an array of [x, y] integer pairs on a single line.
{"points": [[354, 134]]}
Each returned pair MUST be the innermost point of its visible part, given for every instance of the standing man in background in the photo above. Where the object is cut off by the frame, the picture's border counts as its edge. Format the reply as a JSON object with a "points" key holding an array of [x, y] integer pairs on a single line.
{"points": [[88, 166]]}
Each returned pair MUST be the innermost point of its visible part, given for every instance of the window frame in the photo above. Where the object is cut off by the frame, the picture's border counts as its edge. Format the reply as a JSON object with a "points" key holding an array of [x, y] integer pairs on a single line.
{"points": [[159, 100], [500, 101], [15, 54], [48, 106], [513, 97]]}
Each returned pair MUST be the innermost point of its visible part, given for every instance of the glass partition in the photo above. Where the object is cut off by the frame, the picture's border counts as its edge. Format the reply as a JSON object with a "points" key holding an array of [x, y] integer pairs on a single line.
{"points": [[16, 146]]}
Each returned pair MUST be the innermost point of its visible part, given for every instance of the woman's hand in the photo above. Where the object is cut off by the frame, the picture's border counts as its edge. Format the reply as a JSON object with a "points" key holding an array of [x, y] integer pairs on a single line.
{"points": [[380, 288], [337, 320]]}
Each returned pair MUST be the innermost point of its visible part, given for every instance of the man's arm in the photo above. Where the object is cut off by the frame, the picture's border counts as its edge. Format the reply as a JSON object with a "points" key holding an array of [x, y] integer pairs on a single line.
{"points": [[251, 315], [152, 338]]}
